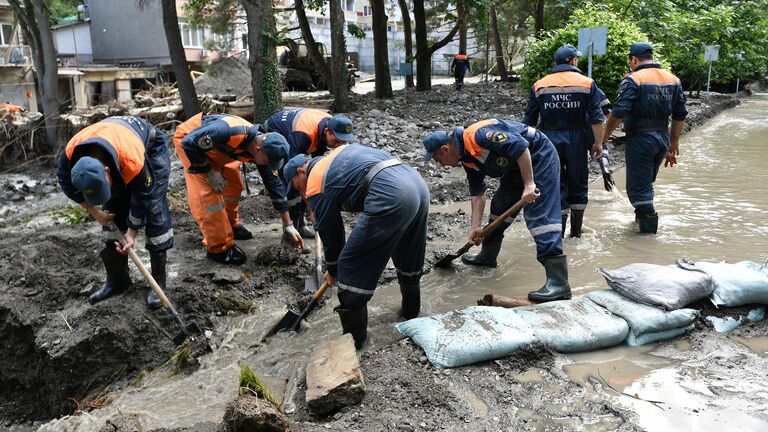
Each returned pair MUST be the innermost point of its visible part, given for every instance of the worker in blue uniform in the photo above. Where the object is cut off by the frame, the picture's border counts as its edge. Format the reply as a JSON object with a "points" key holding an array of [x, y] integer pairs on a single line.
{"points": [[122, 163], [308, 131], [459, 68], [394, 201], [527, 163], [560, 103], [647, 98]]}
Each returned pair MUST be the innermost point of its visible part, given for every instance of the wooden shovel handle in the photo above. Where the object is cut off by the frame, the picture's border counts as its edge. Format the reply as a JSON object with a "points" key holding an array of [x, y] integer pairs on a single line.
{"points": [[491, 226], [143, 269], [320, 291]]}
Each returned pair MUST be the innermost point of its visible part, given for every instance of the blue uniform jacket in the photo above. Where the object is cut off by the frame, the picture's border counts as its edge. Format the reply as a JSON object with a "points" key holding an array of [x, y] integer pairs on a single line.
{"points": [[300, 141], [647, 98], [563, 99]]}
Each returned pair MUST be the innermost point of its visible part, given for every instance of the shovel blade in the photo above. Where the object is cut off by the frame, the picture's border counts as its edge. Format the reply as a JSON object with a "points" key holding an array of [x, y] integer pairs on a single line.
{"points": [[191, 330], [288, 322], [310, 284], [446, 261]]}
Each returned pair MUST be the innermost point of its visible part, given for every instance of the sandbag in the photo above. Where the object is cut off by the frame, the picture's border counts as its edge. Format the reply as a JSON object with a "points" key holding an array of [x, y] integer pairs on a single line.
{"points": [[670, 287], [574, 325], [737, 284], [641, 318], [468, 336], [635, 340]]}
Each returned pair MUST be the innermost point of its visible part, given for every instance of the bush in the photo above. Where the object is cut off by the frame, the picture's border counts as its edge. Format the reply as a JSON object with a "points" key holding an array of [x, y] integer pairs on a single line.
{"points": [[607, 70]]}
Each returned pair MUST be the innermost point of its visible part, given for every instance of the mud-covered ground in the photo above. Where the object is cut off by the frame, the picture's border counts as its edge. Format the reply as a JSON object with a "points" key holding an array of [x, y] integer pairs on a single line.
{"points": [[60, 354]]}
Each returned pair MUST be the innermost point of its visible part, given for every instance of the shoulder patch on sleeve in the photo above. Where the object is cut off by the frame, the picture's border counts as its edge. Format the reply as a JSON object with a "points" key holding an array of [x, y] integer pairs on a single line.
{"points": [[499, 137], [205, 142], [148, 180]]}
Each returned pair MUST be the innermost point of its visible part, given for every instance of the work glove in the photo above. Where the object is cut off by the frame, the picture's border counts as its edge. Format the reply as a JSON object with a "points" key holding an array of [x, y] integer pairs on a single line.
{"points": [[294, 234], [216, 180], [607, 173]]}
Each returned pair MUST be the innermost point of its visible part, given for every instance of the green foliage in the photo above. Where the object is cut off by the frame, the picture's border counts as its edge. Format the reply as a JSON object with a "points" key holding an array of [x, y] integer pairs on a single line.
{"points": [[250, 384], [72, 214], [356, 31], [181, 358], [608, 70], [59, 9], [271, 88]]}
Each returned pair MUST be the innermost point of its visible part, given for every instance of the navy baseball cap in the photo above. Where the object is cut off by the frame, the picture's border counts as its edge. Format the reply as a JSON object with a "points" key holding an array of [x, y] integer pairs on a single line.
{"points": [[276, 148], [565, 53], [434, 141], [641, 49], [88, 177], [293, 165], [342, 128]]}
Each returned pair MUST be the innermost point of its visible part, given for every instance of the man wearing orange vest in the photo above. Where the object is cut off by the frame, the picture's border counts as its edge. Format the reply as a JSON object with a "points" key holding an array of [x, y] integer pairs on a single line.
{"points": [[526, 162], [394, 201], [459, 67], [308, 131], [564, 104], [647, 98], [122, 163], [211, 147]]}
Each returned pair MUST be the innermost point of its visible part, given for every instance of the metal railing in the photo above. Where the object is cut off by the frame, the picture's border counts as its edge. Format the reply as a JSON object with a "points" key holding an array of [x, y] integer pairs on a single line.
{"points": [[15, 55]]}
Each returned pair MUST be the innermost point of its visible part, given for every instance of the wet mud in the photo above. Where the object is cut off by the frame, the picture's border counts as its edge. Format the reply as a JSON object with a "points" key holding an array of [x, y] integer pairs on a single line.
{"points": [[62, 356]]}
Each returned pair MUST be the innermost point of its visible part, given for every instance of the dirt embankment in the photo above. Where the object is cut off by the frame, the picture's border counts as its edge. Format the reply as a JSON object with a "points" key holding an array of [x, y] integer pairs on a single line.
{"points": [[60, 353]]}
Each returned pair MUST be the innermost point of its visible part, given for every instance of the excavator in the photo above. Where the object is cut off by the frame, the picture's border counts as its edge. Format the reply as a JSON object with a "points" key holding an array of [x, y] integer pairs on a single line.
{"points": [[299, 73]]}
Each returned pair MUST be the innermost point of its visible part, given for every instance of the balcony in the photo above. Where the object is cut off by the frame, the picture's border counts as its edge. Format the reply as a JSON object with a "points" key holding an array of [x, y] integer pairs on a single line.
{"points": [[15, 56]]}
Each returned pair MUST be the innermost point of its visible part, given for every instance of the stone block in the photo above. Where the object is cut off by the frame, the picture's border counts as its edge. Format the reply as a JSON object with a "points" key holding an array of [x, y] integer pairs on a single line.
{"points": [[334, 378]]}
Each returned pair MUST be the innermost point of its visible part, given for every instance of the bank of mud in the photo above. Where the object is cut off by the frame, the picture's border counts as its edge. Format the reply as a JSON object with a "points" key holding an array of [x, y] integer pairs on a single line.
{"points": [[61, 354]]}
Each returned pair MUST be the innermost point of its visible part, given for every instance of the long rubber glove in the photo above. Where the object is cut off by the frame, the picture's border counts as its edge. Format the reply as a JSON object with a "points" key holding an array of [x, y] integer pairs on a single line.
{"points": [[607, 173]]}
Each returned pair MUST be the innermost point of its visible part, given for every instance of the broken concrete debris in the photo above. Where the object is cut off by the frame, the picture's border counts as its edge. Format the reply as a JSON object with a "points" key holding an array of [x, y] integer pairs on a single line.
{"points": [[334, 378]]}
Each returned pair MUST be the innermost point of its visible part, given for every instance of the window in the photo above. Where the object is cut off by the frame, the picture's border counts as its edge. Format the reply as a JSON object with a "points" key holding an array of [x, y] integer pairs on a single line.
{"points": [[366, 27], [191, 36], [6, 34], [321, 21], [349, 5], [367, 11]]}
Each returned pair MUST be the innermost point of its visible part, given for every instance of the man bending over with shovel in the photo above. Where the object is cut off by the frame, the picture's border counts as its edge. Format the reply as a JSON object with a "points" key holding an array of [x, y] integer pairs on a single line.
{"points": [[394, 201], [519, 155], [122, 163]]}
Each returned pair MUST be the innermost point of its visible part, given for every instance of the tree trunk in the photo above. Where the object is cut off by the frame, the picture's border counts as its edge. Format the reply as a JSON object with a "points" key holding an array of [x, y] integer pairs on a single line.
{"points": [[380, 51], [424, 51], [461, 15], [539, 18], [309, 41], [408, 38], [341, 102], [179, 64], [500, 64], [265, 78]]}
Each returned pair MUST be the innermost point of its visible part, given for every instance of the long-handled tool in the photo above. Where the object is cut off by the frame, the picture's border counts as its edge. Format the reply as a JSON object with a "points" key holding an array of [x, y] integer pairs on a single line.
{"points": [[315, 279], [186, 331], [446, 261], [292, 320]]}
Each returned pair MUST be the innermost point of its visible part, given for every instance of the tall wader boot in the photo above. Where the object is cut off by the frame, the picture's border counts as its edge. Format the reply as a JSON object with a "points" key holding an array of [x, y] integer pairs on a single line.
{"points": [[564, 219], [487, 256], [355, 321], [577, 218], [557, 286], [411, 303], [158, 260], [649, 223], [118, 279], [297, 214]]}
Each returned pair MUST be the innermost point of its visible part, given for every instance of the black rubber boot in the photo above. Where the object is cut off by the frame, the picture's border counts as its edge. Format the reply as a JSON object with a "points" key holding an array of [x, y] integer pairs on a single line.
{"points": [[557, 286], [577, 218], [411, 303], [649, 223], [233, 256], [297, 213], [241, 232], [306, 250], [157, 259], [355, 321], [564, 219], [487, 256], [118, 279]]}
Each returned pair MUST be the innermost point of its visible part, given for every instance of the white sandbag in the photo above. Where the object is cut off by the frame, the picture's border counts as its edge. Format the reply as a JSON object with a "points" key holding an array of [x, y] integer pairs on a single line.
{"points": [[635, 340], [670, 287], [737, 284], [641, 318], [574, 325], [468, 336]]}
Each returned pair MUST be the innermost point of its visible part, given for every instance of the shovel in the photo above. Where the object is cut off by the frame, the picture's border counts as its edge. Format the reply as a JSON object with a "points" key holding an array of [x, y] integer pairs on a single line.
{"points": [[446, 261], [292, 320], [186, 331], [316, 277]]}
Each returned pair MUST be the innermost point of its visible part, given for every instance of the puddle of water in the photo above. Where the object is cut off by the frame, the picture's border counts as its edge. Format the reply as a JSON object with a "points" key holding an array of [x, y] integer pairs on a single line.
{"points": [[758, 344]]}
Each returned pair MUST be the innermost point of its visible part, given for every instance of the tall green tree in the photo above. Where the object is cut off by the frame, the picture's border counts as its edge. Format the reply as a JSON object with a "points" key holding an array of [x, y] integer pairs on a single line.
{"points": [[341, 101], [424, 49], [262, 59], [408, 35], [178, 56], [380, 50]]}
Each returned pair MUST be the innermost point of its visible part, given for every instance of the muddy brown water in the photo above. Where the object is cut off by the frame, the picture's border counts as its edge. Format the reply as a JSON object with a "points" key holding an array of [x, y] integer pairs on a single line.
{"points": [[713, 206]]}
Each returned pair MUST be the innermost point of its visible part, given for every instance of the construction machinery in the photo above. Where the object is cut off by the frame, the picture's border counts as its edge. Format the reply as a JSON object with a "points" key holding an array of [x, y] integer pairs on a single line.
{"points": [[299, 73]]}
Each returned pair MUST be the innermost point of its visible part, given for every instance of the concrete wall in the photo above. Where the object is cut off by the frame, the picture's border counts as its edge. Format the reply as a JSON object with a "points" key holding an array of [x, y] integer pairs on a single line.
{"points": [[15, 82], [121, 32]]}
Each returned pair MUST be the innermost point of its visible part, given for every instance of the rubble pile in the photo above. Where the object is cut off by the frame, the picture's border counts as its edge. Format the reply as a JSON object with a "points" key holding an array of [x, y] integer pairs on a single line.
{"points": [[228, 76]]}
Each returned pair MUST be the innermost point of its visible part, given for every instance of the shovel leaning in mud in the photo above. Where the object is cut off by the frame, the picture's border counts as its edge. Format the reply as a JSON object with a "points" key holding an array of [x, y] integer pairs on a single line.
{"points": [[186, 331], [292, 321], [315, 277], [446, 261]]}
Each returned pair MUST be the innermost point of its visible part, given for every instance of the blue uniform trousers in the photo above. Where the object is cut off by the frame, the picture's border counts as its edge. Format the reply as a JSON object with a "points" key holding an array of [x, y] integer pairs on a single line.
{"points": [[393, 224], [542, 217], [574, 169], [159, 226], [645, 152]]}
